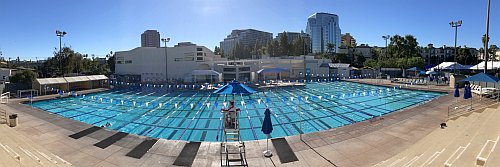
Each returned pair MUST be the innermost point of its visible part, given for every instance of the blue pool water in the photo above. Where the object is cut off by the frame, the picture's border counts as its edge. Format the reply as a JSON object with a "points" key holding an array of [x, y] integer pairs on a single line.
{"points": [[195, 115]]}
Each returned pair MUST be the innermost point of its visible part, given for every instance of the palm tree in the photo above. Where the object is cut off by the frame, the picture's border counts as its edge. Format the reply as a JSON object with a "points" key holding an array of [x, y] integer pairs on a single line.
{"points": [[484, 40], [330, 47]]}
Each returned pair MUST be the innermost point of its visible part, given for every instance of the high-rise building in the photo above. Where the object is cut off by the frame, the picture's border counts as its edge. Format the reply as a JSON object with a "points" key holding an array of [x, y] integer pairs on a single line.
{"points": [[324, 29], [150, 38], [348, 40], [245, 37]]}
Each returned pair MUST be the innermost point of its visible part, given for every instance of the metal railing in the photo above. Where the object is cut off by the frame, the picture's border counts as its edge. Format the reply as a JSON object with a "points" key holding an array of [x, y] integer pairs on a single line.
{"points": [[462, 107], [32, 92], [4, 98]]}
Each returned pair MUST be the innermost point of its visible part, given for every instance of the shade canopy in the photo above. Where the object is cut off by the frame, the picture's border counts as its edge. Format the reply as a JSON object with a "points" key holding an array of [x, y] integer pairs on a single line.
{"points": [[204, 72], [273, 70], [430, 72], [482, 77], [267, 125], [48, 81], [414, 69], [324, 65], [65, 80], [235, 87]]}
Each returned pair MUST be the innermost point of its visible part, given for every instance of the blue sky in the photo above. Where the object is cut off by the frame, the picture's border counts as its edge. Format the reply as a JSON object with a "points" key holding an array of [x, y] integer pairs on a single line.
{"points": [[27, 27]]}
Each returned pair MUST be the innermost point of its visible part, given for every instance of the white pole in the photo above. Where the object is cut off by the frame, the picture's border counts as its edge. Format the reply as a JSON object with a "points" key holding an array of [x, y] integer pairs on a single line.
{"points": [[300, 120], [31, 99]]}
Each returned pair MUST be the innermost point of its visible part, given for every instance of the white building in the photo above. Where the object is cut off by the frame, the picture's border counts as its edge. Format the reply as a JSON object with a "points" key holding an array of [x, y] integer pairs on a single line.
{"points": [[5, 73], [147, 64], [245, 70]]}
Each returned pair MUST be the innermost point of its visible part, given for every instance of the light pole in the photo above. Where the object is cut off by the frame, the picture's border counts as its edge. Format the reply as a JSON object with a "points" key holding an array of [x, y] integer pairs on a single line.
{"points": [[385, 37], [487, 38], [304, 40], [60, 34], [166, 57], [455, 25]]}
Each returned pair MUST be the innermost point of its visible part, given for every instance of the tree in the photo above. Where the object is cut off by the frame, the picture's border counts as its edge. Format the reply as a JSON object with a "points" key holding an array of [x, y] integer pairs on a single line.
{"points": [[492, 51], [371, 63], [415, 62], [402, 52], [257, 48], [270, 49], [236, 52], [336, 57], [217, 50], [359, 59], [330, 47], [241, 52], [298, 47], [111, 62], [375, 53], [483, 39], [25, 77], [72, 62], [284, 45], [277, 49], [221, 52]]}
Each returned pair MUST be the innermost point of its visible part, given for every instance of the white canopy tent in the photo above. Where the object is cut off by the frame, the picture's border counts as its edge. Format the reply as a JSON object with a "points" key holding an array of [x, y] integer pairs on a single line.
{"points": [[491, 65], [63, 83], [448, 66]]}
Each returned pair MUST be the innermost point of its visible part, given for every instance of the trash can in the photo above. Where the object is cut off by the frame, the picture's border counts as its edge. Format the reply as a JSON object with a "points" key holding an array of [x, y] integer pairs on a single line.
{"points": [[13, 120]]}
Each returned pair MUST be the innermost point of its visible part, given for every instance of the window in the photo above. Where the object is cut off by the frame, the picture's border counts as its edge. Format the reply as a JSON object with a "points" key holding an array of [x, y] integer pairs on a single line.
{"points": [[119, 62], [184, 59], [199, 58], [199, 49], [128, 61], [229, 69], [244, 69], [199, 54]]}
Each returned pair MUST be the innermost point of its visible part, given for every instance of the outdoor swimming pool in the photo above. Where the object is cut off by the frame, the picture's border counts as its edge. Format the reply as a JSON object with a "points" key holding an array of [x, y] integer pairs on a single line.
{"points": [[195, 115]]}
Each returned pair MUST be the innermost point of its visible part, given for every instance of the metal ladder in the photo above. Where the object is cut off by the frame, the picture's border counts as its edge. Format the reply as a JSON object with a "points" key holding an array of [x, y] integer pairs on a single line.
{"points": [[232, 150]]}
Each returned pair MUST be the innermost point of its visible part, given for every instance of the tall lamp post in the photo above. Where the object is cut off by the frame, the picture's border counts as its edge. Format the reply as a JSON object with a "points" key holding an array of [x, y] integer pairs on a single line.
{"points": [[455, 25], [166, 57], [487, 36], [60, 34], [385, 37], [304, 39]]}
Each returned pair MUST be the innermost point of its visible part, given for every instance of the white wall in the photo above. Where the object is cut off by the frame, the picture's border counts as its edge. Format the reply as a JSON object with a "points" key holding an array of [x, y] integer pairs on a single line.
{"points": [[5, 74], [150, 62]]}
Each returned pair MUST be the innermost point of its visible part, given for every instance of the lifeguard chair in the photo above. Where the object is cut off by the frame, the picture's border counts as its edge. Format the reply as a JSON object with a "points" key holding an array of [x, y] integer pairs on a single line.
{"points": [[232, 147]]}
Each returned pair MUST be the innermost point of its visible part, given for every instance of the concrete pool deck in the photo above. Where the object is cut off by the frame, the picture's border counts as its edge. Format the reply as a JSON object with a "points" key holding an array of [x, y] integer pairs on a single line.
{"points": [[360, 144]]}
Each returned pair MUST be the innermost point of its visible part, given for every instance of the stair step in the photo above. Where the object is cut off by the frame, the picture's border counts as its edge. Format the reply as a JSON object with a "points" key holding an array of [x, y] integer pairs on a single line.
{"points": [[238, 165], [234, 153], [232, 138], [234, 160]]}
